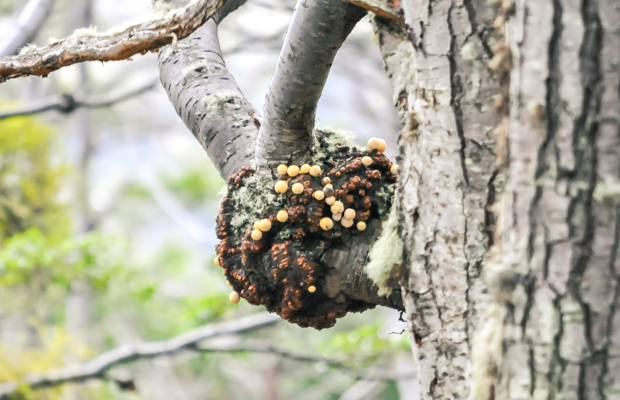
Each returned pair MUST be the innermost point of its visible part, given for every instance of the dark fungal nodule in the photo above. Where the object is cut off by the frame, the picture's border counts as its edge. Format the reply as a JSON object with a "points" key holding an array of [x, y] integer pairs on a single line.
{"points": [[281, 268]]}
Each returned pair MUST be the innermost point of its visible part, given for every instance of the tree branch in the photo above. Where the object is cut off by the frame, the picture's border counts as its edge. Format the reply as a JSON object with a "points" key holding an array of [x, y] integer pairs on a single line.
{"points": [[26, 27], [380, 9], [97, 367], [139, 38], [317, 30], [369, 375], [67, 103], [207, 98]]}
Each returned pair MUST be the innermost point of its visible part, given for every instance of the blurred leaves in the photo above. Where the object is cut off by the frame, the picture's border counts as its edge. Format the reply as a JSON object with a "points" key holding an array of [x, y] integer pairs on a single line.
{"points": [[29, 181]]}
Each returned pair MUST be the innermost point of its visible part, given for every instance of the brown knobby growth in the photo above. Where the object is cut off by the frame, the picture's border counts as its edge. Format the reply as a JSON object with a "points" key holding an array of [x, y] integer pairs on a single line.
{"points": [[283, 270]]}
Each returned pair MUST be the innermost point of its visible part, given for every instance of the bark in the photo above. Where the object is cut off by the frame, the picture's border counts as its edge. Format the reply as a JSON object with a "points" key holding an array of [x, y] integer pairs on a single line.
{"points": [[207, 98], [316, 32], [444, 91], [89, 46], [560, 227]]}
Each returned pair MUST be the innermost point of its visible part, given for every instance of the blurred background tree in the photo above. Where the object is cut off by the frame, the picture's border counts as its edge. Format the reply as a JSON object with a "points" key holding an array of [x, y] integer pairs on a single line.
{"points": [[107, 221]]}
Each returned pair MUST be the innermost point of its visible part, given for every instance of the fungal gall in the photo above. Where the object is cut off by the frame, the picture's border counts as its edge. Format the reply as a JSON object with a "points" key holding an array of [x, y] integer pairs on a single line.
{"points": [[278, 266], [234, 297], [293, 170], [326, 223], [282, 169], [315, 170]]}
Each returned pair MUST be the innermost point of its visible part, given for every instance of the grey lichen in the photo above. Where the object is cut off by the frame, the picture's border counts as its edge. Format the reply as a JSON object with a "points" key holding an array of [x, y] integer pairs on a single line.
{"points": [[213, 104], [386, 255], [252, 199]]}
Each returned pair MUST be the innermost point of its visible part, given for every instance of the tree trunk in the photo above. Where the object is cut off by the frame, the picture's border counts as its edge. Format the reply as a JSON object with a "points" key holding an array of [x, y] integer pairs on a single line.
{"points": [[548, 331], [560, 215], [444, 91]]}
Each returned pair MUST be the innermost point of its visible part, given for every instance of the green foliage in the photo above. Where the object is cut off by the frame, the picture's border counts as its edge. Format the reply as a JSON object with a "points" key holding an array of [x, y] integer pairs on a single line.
{"points": [[364, 344], [29, 181], [31, 255], [195, 185]]}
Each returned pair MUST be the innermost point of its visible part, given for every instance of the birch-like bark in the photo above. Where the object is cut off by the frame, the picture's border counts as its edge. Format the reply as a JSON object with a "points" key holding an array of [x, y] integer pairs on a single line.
{"points": [[444, 92], [316, 32], [207, 98], [561, 210]]}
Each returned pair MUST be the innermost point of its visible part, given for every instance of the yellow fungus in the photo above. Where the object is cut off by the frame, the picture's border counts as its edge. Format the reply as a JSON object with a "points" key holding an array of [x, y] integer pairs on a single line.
{"points": [[234, 297], [326, 223], [366, 160], [330, 200], [337, 217], [394, 169], [382, 145], [264, 225], [312, 288], [298, 188], [256, 225], [256, 234], [361, 225], [228, 283], [293, 170], [282, 169], [319, 195], [347, 223], [305, 168], [326, 180], [281, 186], [349, 213], [315, 170], [337, 207], [217, 261], [282, 216], [373, 143]]}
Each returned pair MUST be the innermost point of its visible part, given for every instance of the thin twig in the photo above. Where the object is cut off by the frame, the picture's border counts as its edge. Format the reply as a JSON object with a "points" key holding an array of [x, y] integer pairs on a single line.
{"points": [[97, 367], [140, 38], [372, 375], [384, 10], [67, 103]]}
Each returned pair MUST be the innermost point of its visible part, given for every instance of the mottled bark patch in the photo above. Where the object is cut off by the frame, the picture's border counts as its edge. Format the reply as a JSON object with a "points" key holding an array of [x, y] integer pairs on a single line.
{"points": [[285, 270]]}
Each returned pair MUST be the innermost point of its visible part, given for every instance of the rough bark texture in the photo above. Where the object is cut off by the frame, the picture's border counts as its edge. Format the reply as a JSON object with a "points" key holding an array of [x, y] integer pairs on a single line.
{"points": [[316, 32], [444, 91], [560, 227]]}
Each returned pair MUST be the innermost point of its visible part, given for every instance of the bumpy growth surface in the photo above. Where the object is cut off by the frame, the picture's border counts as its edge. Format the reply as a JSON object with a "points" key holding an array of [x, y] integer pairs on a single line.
{"points": [[279, 264]]}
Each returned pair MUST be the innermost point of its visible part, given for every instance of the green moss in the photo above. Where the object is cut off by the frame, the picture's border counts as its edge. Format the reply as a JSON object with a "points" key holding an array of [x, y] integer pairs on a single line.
{"points": [[386, 254]]}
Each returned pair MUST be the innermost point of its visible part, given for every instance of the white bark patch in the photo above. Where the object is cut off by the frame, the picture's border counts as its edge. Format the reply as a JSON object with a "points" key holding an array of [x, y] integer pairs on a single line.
{"points": [[213, 104]]}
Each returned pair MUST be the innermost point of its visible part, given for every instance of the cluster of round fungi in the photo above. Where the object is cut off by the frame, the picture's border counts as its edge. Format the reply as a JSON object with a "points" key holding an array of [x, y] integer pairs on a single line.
{"points": [[276, 260]]}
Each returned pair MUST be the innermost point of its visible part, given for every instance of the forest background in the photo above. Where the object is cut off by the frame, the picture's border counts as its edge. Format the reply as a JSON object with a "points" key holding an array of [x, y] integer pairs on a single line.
{"points": [[107, 217]]}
